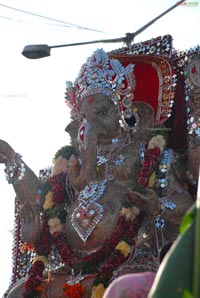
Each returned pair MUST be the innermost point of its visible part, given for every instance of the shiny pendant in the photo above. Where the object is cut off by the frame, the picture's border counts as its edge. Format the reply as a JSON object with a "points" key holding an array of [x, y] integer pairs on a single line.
{"points": [[88, 213], [85, 218]]}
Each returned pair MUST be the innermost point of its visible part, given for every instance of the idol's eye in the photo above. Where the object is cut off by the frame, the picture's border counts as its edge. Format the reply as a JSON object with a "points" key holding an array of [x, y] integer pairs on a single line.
{"points": [[132, 121], [102, 113]]}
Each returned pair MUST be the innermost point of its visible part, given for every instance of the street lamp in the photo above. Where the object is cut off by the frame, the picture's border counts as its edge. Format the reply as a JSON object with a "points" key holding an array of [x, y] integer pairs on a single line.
{"points": [[43, 50]]}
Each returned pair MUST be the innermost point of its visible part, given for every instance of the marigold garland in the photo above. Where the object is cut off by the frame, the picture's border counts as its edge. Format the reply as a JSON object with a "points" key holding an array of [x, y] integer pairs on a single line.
{"points": [[63, 248], [124, 248], [73, 290], [43, 245], [26, 246], [114, 257], [33, 284], [109, 244], [48, 203], [98, 291]]}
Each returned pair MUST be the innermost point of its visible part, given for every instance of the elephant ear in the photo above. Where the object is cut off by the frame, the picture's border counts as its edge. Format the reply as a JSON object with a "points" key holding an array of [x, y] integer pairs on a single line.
{"points": [[145, 113], [174, 278]]}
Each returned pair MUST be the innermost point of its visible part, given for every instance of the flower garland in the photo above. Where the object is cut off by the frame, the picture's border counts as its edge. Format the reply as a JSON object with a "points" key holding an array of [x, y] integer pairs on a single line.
{"points": [[73, 291], [113, 253], [155, 147], [150, 160], [33, 284], [54, 211], [42, 248]]}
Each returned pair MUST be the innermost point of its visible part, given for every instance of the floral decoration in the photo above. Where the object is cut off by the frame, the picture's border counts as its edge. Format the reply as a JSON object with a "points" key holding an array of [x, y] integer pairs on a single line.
{"points": [[124, 248], [48, 203], [73, 290], [113, 253], [38, 258], [148, 166], [55, 225], [98, 291], [26, 246], [129, 213], [33, 284], [157, 141]]}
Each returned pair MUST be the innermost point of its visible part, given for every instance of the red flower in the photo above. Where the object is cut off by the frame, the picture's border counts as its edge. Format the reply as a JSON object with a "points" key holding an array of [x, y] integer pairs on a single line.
{"points": [[150, 161], [58, 184], [63, 248], [73, 291], [35, 278]]}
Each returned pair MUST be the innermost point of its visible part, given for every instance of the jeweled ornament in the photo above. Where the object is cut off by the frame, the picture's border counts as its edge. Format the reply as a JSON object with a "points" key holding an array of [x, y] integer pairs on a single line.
{"points": [[88, 213]]}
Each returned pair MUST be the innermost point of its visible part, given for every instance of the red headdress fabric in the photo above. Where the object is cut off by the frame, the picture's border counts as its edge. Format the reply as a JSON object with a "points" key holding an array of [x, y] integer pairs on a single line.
{"points": [[155, 83]]}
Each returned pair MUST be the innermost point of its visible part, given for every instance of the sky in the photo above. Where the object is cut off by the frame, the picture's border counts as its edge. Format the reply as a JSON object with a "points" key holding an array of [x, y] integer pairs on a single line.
{"points": [[33, 112]]}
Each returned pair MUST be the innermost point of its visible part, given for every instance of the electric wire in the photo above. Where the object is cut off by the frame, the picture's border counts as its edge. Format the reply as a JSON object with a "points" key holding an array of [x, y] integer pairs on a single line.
{"points": [[65, 24], [45, 25]]}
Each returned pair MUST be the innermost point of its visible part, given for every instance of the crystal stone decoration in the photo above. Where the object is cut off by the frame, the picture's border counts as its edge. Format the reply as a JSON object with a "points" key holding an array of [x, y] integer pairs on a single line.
{"points": [[88, 213]]}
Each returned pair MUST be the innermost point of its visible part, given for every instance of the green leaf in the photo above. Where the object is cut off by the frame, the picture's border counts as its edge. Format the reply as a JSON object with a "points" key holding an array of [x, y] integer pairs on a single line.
{"points": [[187, 220], [65, 152], [187, 294], [175, 274]]}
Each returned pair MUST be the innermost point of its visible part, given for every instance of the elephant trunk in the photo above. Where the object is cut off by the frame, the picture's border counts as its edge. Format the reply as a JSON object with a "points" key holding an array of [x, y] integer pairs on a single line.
{"points": [[89, 159], [85, 172]]}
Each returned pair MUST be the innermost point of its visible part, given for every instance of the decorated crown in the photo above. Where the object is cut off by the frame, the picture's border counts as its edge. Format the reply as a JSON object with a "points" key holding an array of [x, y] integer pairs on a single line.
{"points": [[105, 76], [128, 78]]}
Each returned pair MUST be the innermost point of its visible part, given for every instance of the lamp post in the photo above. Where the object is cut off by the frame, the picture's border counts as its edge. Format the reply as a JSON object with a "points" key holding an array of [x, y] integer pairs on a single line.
{"points": [[43, 50]]}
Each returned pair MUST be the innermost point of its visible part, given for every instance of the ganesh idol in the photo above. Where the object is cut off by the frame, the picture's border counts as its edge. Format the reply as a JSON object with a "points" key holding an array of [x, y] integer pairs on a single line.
{"points": [[115, 196]]}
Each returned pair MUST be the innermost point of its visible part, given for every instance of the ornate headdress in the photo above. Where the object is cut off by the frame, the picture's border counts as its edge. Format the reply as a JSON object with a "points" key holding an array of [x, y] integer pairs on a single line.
{"points": [[105, 76], [128, 77]]}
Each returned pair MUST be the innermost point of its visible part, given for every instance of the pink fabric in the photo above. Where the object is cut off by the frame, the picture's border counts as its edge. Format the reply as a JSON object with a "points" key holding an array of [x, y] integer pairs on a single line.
{"points": [[136, 285]]}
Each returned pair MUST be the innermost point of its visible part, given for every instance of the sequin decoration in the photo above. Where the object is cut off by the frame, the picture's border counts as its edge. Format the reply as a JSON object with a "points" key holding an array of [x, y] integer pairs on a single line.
{"points": [[38, 197], [155, 52], [102, 75], [21, 260], [83, 133], [161, 45], [194, 129], [101, 160], [15, 170], [182, 58], [142, 149], [160, 222], [163, 173], [194, 71], [167, 203], [119, 160], [192, 98], [45, 174], [88, 213], [71, 280]]}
